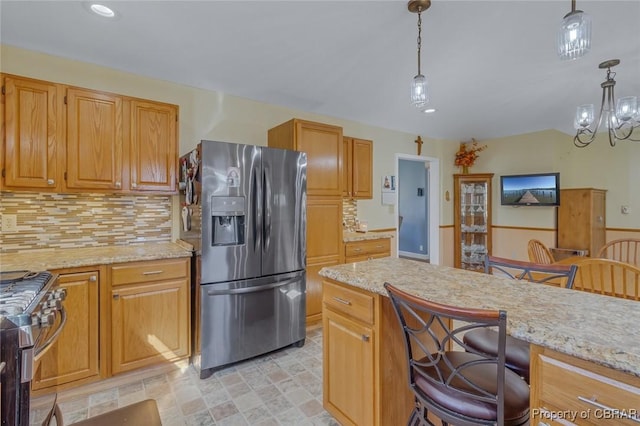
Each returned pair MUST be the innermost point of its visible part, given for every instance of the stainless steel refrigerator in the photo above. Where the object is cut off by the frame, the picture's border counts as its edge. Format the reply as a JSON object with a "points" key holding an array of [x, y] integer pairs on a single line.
{"points": [[253, 250]]}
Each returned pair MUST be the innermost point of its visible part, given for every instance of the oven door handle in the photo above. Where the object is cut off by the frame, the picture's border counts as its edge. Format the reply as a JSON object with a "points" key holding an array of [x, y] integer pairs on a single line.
{"points": [[41, 349]]}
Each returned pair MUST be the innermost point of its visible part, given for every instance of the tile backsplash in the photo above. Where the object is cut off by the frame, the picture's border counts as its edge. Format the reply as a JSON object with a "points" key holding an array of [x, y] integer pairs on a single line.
{"points": [[47, 220], [349, 214]]}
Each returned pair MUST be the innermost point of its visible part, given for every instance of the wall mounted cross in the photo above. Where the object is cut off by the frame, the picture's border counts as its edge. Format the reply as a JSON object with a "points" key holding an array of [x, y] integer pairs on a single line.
{"points": [[419, 142]]}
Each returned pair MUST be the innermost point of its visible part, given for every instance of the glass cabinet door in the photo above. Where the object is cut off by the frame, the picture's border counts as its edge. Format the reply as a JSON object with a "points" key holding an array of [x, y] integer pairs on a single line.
{"points": [[472, 220]]}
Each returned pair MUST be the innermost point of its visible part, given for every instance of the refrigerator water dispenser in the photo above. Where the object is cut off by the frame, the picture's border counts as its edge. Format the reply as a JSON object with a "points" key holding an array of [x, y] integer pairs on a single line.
{"points": [[228, 218]]}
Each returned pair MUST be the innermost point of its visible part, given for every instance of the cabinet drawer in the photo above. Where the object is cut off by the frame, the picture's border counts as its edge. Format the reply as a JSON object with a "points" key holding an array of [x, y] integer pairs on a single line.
{"points": [[142, 272], [359, 248], [348, 301], [569, 388]]}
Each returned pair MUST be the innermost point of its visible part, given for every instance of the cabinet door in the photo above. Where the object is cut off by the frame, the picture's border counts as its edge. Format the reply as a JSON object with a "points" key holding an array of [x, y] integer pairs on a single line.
{"points": [[348, 383], [75, 355], [347, 175], [153, 146], [323, 145], [150, 324], [362, 168], [95, 140], [34, 131], [324, 248]]}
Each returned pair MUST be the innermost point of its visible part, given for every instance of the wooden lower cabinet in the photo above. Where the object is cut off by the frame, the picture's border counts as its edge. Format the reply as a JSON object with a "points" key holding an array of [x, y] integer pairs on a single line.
{"points": [[348, 362], [324, 248], [365, 378], [356, 251], [567, 391], [150, 314], [74, 357]]}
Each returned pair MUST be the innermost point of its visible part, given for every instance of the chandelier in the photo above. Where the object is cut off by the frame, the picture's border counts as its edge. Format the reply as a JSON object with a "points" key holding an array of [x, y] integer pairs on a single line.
{"points": [[574, 37], [419, 92], [621, 117]]}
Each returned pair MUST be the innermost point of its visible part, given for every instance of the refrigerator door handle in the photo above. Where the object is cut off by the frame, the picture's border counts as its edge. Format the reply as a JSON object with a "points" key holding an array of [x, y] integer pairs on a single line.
{"points": [[254, 206], [266, 194], [251, 289]]}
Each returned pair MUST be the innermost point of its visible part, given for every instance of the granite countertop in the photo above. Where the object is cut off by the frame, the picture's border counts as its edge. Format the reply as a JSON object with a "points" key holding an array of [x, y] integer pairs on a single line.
{"points": [[47, 259], [361, 236], [589, 326]]}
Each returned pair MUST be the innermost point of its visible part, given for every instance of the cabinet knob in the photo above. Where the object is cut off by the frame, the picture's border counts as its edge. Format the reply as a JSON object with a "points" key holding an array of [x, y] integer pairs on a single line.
{"points": [[50, 181], [93, 278], [134, 185], [116, 296], [118, 184], [365, 338]]}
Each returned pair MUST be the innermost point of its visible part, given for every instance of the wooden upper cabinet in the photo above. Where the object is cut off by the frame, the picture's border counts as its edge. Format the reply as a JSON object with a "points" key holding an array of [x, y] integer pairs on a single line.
{"points": [[94, 140], [323, 145], [153, 146], [63, 138], [358, 168], [34, 130]]}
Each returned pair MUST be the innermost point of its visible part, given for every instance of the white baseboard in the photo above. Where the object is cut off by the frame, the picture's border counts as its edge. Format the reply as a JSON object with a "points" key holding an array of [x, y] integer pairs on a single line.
{"points": [[413, 255]]}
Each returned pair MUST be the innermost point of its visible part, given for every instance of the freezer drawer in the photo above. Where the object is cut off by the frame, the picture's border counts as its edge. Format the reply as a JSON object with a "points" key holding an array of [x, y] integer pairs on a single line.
{"points": [[244, 319]]}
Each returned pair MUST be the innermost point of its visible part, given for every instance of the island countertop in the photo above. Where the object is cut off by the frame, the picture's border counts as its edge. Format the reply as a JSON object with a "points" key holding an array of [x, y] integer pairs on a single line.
{"points": [[596, 328], [49, 259]]}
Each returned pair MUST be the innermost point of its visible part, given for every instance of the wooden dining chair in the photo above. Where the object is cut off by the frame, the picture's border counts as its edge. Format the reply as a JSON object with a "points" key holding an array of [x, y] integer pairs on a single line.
{"points": [[625, 250], [608, 277], [539, 253]]}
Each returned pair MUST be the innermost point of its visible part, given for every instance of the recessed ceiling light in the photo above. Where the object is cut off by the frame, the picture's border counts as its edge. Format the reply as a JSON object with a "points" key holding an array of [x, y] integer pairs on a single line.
{"points": [[102, 10], [429, 110]]}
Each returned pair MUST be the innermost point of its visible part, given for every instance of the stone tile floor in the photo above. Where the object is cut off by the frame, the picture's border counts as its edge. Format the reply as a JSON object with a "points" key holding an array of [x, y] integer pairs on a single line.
{"points": [[281, 388]]}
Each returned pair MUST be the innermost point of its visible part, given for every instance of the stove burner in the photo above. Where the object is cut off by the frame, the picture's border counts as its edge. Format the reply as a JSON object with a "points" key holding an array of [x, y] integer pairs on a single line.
{"points": [[17, 294], [9, 277]]}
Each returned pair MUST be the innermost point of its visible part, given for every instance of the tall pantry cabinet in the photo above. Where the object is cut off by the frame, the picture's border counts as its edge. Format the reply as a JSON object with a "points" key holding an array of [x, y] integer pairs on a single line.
{"points": [[323, 145], [582, 220]]}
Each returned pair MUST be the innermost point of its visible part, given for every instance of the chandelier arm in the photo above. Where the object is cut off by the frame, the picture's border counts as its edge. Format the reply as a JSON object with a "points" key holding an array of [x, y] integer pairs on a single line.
{"points": [[577, 140]]}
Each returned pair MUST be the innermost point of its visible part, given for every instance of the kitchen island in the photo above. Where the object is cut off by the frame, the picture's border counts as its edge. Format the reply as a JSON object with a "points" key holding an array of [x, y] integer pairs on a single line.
{"points": [[581, 343]]}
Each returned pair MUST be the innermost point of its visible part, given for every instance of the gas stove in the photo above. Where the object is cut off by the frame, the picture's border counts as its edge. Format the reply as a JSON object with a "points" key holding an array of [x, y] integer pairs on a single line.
{"points": [[26, 299], [32, 316]]}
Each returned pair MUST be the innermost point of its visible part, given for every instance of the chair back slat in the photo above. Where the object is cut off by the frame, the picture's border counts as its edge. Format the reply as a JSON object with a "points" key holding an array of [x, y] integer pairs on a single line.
{"points": [[625, 250], [608, 277], [552, 274], [539, 252]]}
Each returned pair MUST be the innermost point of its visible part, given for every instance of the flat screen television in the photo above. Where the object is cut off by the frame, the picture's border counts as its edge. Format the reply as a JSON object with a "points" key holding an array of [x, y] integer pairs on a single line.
{"points": [[541, 189]]}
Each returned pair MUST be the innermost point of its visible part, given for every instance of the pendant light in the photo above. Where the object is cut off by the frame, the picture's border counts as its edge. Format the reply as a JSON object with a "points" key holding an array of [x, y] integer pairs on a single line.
{"points": [[419, 91], [574, 37]]}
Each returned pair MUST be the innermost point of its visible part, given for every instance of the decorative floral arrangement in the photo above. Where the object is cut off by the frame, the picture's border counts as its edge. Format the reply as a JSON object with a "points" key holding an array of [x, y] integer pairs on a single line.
{"points": [[468, 153]]}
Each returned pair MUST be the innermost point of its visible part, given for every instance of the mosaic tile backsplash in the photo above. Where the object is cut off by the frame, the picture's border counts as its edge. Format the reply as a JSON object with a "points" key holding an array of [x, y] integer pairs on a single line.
{"points": [[83, 220], [349, 214]]}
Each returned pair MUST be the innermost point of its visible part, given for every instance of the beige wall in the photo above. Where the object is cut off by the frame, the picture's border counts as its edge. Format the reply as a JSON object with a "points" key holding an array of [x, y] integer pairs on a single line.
{"points": [[213, 115], [217, 116]]}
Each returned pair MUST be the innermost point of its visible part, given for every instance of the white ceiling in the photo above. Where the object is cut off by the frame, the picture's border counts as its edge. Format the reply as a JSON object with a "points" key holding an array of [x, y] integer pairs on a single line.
{"points": [[492, 65]]}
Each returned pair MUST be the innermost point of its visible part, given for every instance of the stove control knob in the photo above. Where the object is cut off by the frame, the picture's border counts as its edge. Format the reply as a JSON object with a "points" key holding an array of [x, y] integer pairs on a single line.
{"points": [[43, 319], [60, 294], [55, 304]]}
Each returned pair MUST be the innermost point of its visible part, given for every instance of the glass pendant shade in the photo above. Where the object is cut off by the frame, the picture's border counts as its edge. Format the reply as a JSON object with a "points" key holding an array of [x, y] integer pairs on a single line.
{"points": [[627, 108], [419, 92], [574, 37], [584, 116]]}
